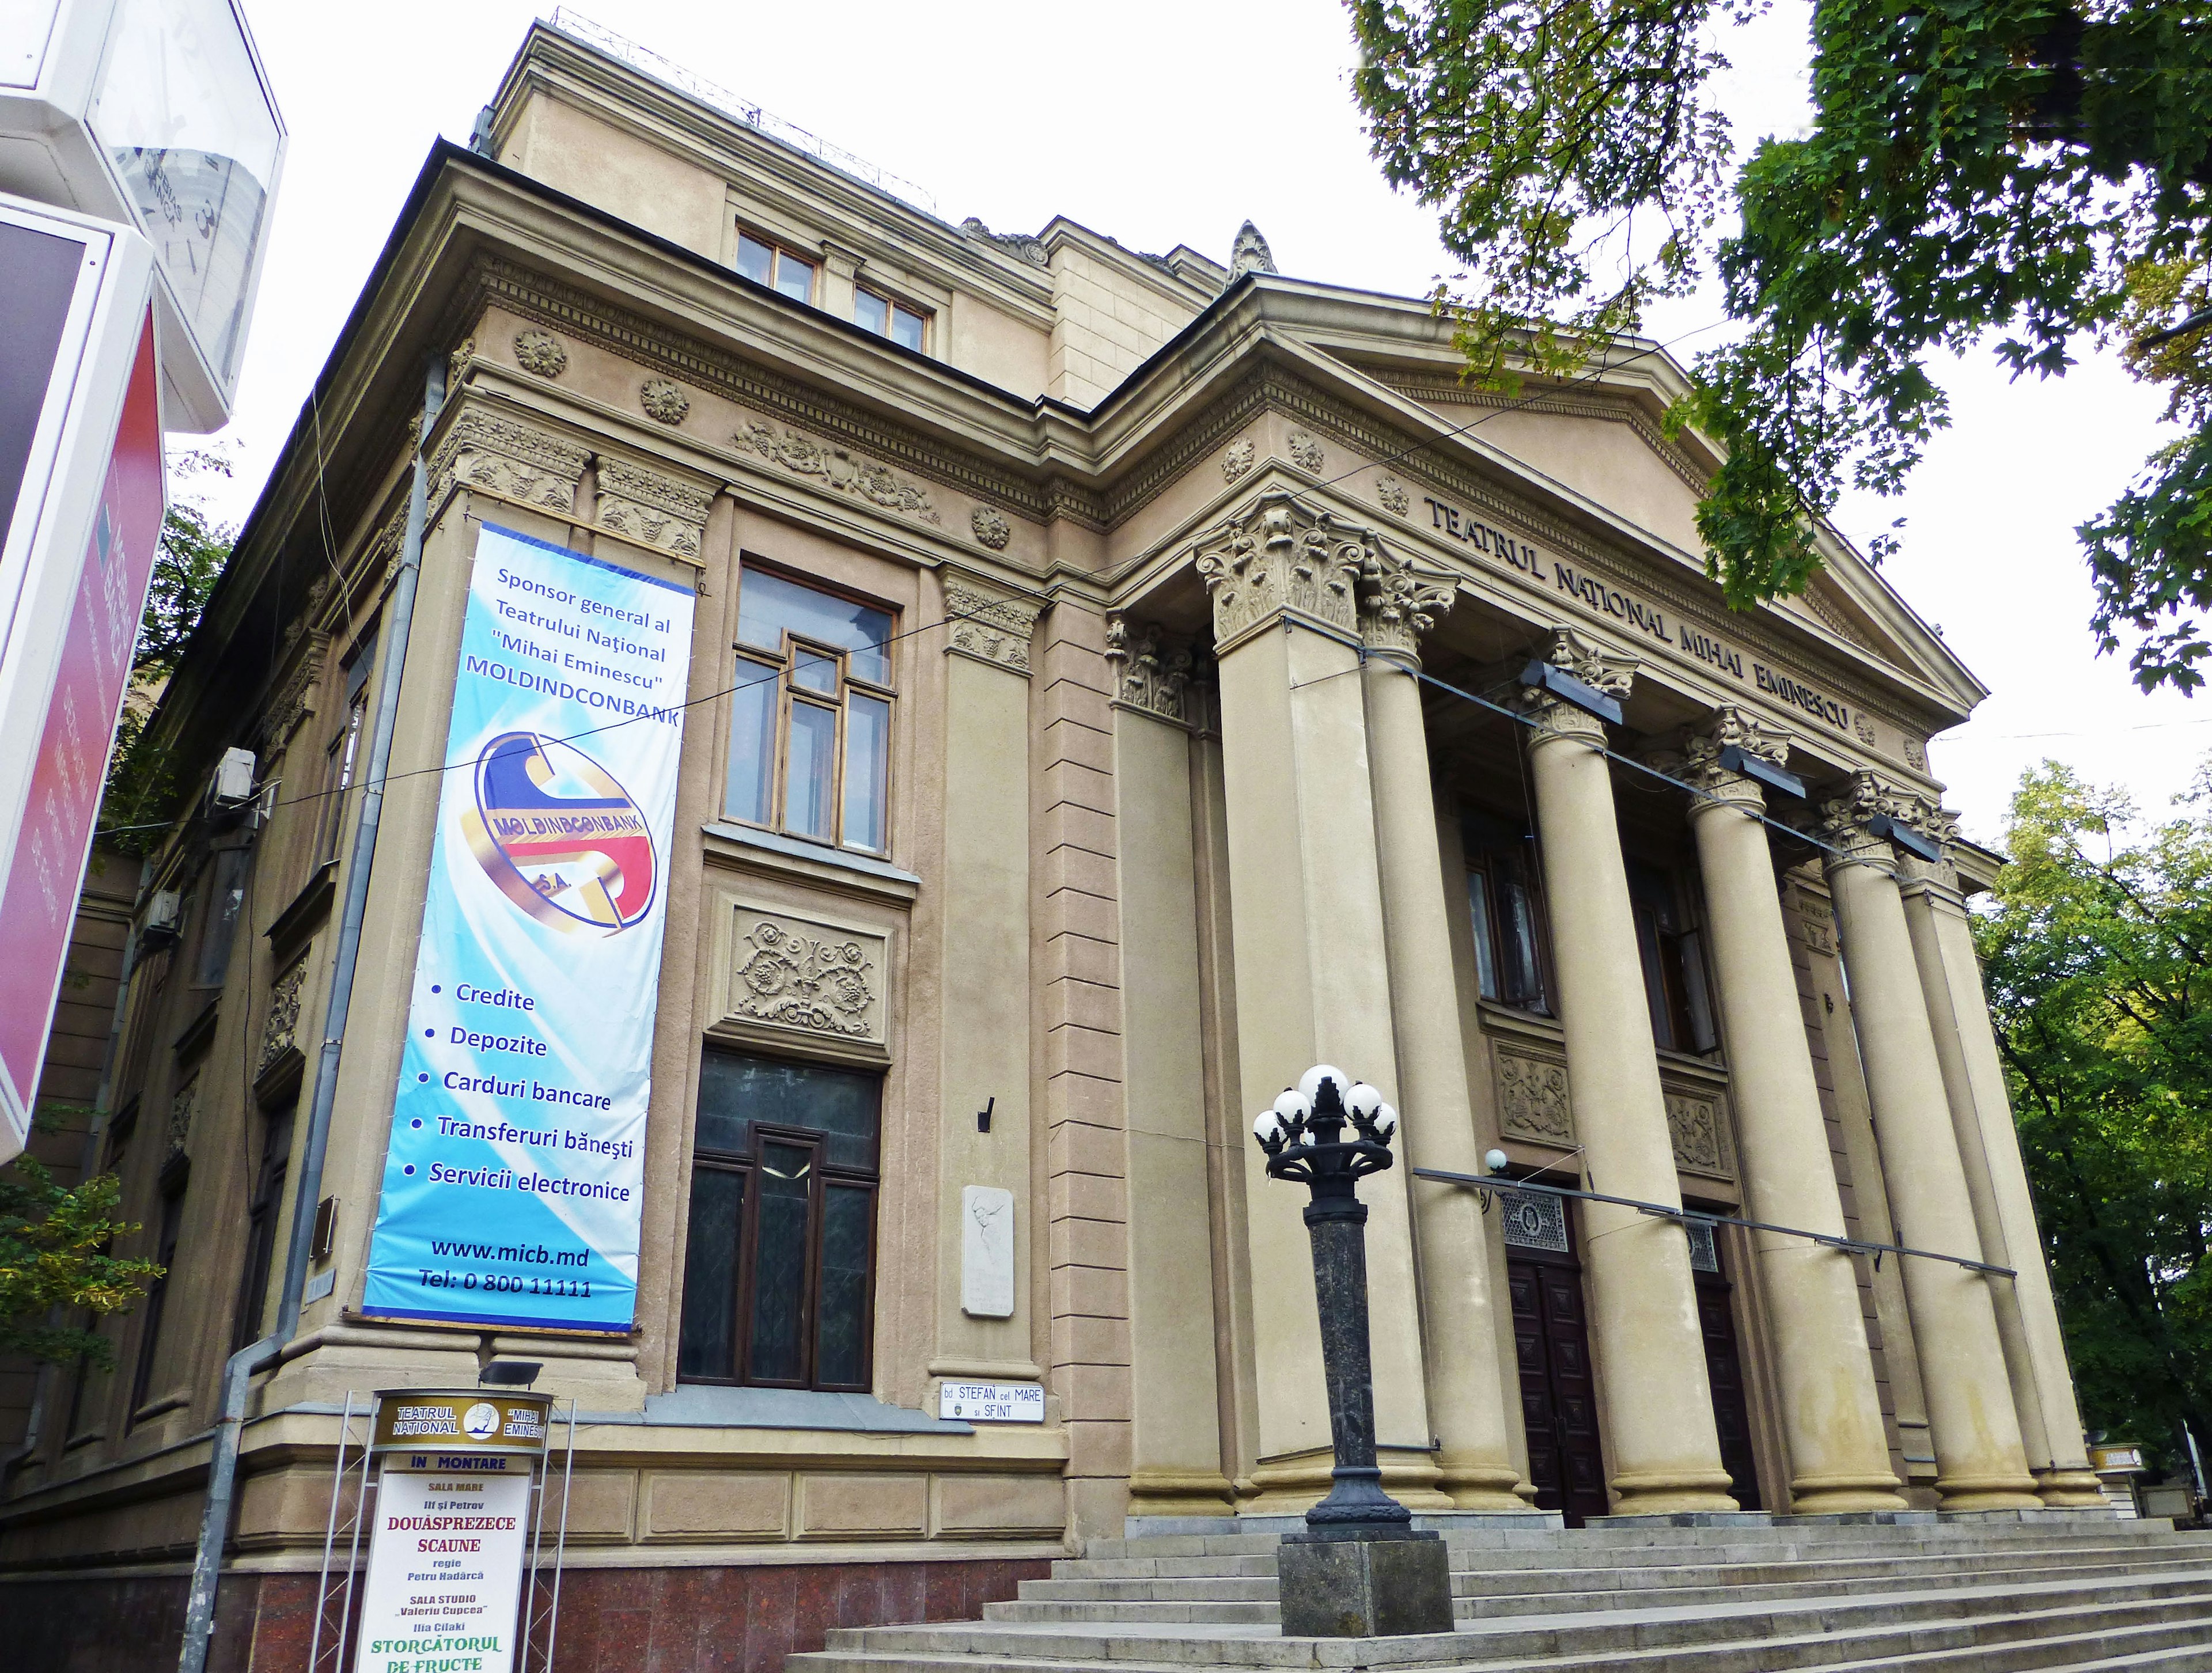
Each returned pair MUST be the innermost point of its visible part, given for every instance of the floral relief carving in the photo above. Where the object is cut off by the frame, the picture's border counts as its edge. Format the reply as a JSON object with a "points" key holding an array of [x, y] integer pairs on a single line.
{"points": [[817, 984], [1916, 756], [456, 363], [845, 472], [1693, 1124], [1152, 672], [1532, 1098], [989, 627], [664, 401], [1305, 451], [990, 526], [295, 701], [1861, 729], [1392, 496], [652, 508], [514, 461], [540, 351], [184, 1105], [1282, 556], [280, 1029], [1238, 461]]}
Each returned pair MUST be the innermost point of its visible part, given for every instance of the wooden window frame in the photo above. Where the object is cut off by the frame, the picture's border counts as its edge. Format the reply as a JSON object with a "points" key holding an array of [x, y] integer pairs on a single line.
{"points": [[785, 666], [821, 1175], [892, 308], [1669, 954], [1479, 859], [778, 250]]}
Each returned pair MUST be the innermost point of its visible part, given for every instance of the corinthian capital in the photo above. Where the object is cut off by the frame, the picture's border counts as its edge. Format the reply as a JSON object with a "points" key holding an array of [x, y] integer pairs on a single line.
{"points": [[1603, 670], [1400, 601], [1150, 670], [1695, 757], [1861, 821], [1280, 558]]}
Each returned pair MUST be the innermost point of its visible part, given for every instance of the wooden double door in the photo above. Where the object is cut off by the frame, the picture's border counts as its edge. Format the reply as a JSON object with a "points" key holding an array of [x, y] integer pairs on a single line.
{"points": [[1558, 1394]]}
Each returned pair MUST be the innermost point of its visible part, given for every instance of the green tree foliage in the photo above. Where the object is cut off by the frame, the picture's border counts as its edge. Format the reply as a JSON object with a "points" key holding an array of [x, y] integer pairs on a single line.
{"points": [[2099, 952], [141, 796], [55, 1258], [2028, 173]]}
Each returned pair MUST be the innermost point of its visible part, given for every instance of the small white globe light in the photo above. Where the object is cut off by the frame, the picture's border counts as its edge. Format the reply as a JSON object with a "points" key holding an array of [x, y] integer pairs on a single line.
{"points": [[1267, 1126], [1293, 1105], [1363, 1099], [1309, 1083], [1495, 1160], [1386, 1123]]}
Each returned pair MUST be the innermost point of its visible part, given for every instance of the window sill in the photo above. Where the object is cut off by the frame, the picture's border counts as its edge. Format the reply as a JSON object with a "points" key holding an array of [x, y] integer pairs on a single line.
{"points": [[716, 1406], [812, 859]]}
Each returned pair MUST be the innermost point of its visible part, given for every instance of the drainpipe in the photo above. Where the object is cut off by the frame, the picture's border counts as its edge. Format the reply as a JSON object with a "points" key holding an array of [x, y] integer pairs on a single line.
{"points": [[239, 1371]]}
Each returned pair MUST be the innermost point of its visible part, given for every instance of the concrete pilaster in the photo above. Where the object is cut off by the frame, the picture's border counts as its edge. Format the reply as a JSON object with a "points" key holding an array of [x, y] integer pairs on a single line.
{"points": [[1997, 1179], [1467, 1396], [1176, 1435], [1980, 1461], [1644, 1333], [1312, 981], [1831, 1412]]}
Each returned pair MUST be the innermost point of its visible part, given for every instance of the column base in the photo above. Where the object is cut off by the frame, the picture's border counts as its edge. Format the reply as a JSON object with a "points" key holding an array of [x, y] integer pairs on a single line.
{"points": [[2071, 1489], [1650, 1493], [1986, 1493], [1294, 1485], [1482, 1486], [1845, 1496], [1180, 1492], [1364, 1586]]}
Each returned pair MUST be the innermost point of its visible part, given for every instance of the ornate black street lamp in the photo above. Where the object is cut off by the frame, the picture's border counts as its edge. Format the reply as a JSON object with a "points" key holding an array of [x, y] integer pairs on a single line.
{"points": [[1359, 1569]]}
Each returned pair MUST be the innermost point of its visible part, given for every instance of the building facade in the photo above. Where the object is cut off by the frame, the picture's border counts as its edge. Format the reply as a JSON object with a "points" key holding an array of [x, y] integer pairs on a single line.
{"points": [[1111, 691]]}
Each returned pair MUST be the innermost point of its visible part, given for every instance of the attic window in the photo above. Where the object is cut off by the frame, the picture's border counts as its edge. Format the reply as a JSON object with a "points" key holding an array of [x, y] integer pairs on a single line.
{"points": [[772, 265], [890, 319]]}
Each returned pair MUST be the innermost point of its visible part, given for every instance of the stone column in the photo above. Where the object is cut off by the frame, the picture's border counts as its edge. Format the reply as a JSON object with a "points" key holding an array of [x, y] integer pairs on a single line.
{"points": [[1467, 1394], [1175, 1432], [1997, 1179], [1311, 980], [1979, 1462], [1831, 1413], [1650, 1354]]}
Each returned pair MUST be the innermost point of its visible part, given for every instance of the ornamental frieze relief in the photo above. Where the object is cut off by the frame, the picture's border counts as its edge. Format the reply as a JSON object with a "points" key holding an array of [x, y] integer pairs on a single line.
{"points": [[280, 1029], [652, 508], [664, 401], [1238, 461], [989, 525], [1305, 451], [833, 467], [1532, 1099], [516, 461], [540, 351], [183, 1106], [294, 701], [1694, 1127], [1152, 672], [799, 976], [990, 627]]}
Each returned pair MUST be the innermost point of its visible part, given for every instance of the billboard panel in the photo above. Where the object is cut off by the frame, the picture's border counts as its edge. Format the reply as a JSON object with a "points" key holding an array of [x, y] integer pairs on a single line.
{"points": [[513, 1178], [45, 868]]}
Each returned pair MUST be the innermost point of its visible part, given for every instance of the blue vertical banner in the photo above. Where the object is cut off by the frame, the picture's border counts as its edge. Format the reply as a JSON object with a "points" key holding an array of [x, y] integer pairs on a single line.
{"points": [[514, 1177]]}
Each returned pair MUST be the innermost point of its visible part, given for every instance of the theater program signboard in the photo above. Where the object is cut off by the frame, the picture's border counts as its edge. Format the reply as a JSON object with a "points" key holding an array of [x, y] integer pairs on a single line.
{"points": [[512, 1180]]}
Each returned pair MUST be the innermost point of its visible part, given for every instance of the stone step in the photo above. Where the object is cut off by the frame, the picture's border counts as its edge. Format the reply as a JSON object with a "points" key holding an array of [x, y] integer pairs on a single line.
{"points": [[1255, 1601], [1675, 1535], [1568, 1549], [1670, 1640], [1079, 1581]]}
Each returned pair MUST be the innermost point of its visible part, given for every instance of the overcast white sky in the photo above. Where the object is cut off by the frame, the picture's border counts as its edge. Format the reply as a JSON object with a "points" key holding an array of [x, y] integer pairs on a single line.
{"points": [[1161, 122]]}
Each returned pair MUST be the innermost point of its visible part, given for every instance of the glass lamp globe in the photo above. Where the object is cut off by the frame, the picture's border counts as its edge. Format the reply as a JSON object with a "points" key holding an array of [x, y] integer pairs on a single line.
{"points": [[1309, 1083]]}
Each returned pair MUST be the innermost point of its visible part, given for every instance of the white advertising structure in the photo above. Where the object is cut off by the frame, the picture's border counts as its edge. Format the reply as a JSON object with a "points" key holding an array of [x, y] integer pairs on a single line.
{"points": [[154, 114], [80, 506]]}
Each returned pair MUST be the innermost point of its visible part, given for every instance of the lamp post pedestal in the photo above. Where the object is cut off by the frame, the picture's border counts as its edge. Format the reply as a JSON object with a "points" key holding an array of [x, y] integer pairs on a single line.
{"points": [[1358, 1569]]}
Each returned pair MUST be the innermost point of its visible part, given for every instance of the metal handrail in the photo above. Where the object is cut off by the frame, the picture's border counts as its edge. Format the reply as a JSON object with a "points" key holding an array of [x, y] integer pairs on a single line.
{"points": [[1486, 1183]]}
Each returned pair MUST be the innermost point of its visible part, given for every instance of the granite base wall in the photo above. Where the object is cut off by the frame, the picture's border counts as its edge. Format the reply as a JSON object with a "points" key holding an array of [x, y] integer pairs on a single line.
{"points": [[732, 1618]]}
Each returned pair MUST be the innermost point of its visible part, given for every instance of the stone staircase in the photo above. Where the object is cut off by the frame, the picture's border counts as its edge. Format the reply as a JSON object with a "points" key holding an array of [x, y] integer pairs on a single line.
{"points": [[2066, 1592]]}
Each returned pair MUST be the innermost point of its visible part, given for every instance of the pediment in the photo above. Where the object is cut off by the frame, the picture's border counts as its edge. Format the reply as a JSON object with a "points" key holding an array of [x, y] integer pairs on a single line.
{"points": [[1604, 442]]}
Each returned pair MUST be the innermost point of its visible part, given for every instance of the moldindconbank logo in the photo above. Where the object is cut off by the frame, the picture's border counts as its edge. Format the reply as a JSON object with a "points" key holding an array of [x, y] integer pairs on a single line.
{"points": [[558, 836]]}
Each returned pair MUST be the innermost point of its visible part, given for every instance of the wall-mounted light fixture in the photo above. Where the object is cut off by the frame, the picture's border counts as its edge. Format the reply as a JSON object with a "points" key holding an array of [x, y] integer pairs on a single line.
{"points": [[1897, 831], [1734, 759], [1542, 675]]}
